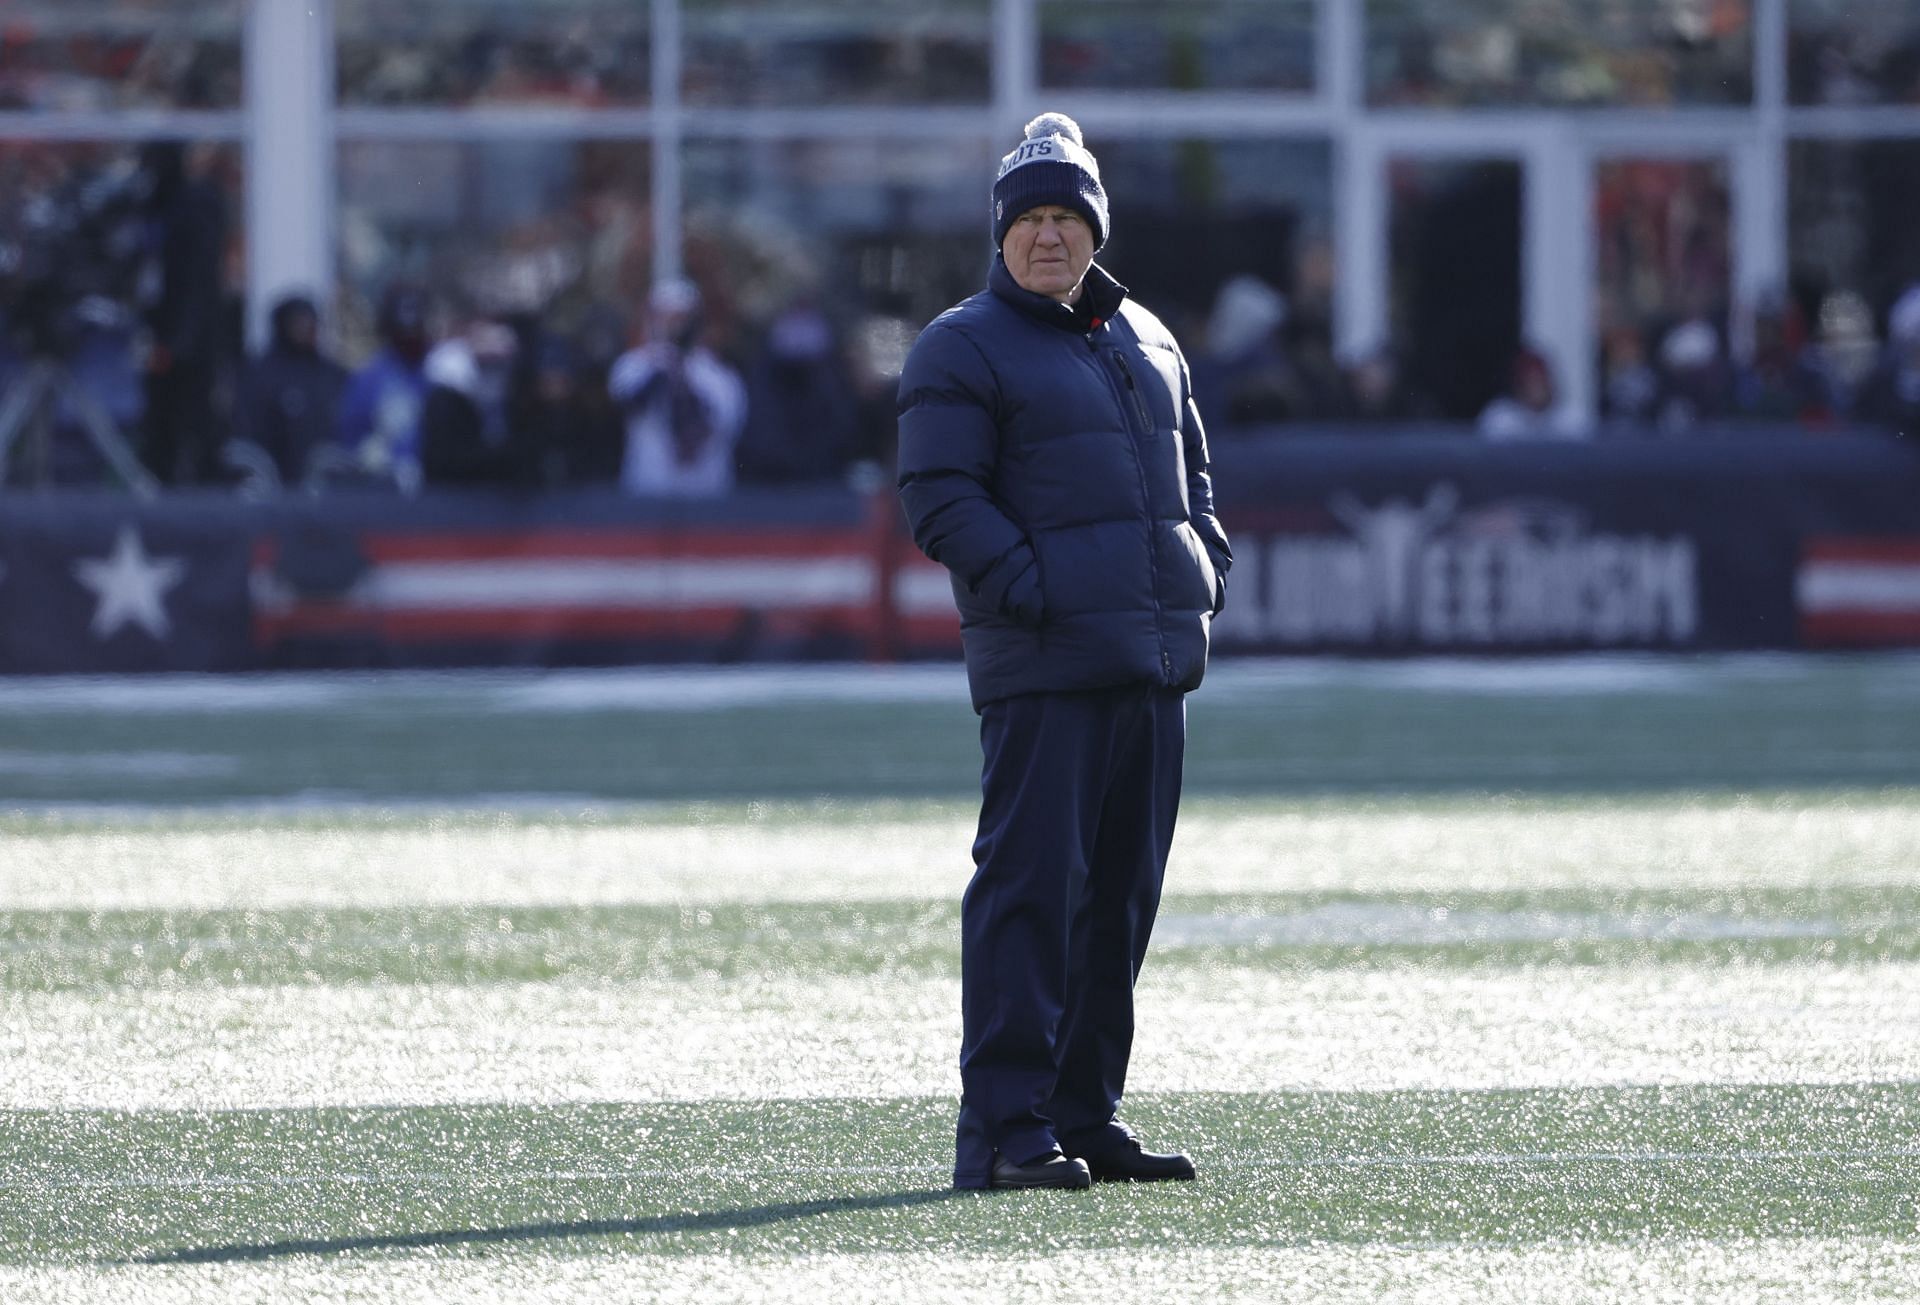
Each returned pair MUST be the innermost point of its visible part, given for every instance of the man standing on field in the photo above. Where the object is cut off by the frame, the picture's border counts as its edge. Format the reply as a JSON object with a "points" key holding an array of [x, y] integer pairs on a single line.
{"points": [[1052, 459]]}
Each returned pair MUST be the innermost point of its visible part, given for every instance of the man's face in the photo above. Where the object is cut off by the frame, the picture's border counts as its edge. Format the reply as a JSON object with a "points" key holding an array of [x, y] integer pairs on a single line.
{"points": [[1048, 249]]}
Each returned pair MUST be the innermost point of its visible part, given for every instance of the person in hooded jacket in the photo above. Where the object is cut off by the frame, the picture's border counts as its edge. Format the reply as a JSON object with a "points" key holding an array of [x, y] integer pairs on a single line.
{"points": [[289, 399], [380, 412], [1052, 458], [800, 406], [471, 427]]}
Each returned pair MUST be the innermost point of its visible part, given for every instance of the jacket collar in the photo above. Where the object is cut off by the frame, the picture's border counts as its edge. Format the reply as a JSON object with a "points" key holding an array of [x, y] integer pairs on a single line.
{"points": [[1100, 299]]}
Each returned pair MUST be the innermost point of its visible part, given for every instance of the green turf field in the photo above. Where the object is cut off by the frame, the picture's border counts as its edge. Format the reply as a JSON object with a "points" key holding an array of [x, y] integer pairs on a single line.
{"points": [[1587, 980]]}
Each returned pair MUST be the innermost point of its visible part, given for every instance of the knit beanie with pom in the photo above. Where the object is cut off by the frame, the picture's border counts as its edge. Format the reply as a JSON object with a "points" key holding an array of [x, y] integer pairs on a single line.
{"points": [[1051, 166]]}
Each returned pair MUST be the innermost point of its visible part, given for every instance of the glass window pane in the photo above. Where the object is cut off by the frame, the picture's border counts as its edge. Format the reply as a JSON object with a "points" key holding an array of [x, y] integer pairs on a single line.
{"points": [[1193, 45], [836, 52], [458, 52], [562, 228], [121, 262], [89, 55], [821, 260], [1663, 288], [1559, 52], [1853, 243], [1229, 242], [860, 225], [1188, 215], [1845, 52], [1455, 249]]}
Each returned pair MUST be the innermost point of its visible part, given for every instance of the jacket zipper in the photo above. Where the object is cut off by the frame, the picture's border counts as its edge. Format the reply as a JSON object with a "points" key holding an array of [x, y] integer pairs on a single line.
{"points": [[1133, 392], [1146, 503]]}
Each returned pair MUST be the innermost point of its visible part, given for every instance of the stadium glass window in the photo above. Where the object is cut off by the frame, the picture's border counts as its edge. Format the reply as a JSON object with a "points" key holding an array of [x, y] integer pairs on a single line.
{"points": [[1561, 53], [451, 53], [1665, 240], [83, 273], [861, 227], [752, 53], [1195, 45], [556, 228], [94, 55], [1455, 239], [1190, 215], [1853, 246], [1663, 271], [1844, 52]]}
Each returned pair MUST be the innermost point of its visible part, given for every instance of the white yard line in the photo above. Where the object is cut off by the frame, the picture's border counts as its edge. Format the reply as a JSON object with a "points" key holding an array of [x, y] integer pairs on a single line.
{"points": [[1703, 1270], [770, 1038], [881, 854]]}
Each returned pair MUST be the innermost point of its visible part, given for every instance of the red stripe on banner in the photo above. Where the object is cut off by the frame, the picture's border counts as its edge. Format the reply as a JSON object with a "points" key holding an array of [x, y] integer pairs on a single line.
{"points": [[555, 623], [612, 545], [1857, 629], [930, 632], [314, 617], [1885, 548]]}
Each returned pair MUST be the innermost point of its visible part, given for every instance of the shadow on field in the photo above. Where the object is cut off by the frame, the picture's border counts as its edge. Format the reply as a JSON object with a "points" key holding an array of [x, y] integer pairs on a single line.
{"points": [[700, 1221]]}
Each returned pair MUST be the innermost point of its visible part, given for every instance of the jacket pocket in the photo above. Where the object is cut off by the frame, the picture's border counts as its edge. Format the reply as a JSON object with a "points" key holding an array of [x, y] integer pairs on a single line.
{"points": [[1026, 601], [1209, 589]]}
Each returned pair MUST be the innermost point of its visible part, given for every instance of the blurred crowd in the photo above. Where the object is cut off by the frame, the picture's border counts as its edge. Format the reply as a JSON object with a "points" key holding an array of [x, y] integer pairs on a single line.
{"points": [[1260, 365], [115, 281], [504, 399], [1558, 52], [119, 269]]}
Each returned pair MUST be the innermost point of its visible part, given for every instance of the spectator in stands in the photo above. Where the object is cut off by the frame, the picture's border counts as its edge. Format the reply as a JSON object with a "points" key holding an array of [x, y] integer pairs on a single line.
{"points": [[1629, 385], [1242, 377], [469, 434], [800, 411], [880, 344], [1317, 385], [598, 340], [563, 423], [1781, 379], [380, 414], [289, 400], [684, 407], [1696, 382], [189, 223], [1890, 395], [1529, 408], [1380, 393], [1846, 350]]}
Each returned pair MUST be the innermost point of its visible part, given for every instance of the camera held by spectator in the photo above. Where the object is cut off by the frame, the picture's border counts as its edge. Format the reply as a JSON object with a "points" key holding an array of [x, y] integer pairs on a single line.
{"points": [[685, 407]]}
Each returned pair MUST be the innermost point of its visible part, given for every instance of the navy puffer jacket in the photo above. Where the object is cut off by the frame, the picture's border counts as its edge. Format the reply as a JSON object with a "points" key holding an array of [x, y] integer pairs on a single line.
{"points": [[1052, 459]]}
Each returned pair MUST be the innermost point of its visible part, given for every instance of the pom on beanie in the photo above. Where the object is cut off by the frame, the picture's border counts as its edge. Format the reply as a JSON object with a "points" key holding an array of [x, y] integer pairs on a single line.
{"points": [[1051, 166], [1054, 124]]}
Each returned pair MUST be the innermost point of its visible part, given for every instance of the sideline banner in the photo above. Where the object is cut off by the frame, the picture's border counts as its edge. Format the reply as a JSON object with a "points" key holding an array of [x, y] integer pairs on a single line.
{"points": [[1392, 544], [1415, 543], [105, 584]]}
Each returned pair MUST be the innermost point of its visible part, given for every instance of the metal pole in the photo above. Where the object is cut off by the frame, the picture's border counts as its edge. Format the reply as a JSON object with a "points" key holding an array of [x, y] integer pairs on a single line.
{"points": [[289, 133], [667, 190], [1360, 251], [1759, 175]]}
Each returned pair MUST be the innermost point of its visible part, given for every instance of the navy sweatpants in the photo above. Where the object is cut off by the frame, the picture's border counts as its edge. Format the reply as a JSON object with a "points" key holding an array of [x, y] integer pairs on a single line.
{"points": [[1079, 794]]}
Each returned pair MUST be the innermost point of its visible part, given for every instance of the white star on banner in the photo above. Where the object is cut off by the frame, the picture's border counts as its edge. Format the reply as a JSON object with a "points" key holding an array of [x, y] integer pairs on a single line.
{"points": [[131, 586]]}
